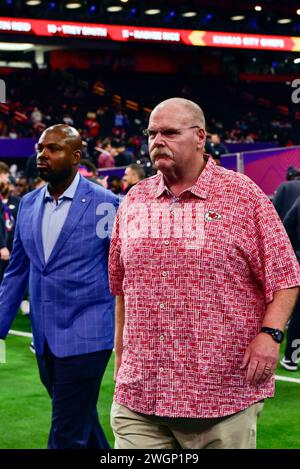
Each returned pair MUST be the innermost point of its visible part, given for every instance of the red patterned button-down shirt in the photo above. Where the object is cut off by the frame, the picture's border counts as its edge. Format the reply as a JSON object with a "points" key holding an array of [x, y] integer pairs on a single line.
{"points": [[197, 272]]}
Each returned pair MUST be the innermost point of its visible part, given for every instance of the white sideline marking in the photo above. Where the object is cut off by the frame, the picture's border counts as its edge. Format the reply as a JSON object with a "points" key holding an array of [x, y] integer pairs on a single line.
{"points": [[20, 334], [286, 378]]}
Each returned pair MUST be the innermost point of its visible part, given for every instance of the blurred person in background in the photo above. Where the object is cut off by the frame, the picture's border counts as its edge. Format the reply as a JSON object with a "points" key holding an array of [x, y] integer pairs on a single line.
{"points": [[293, 173], [115, 184], [287, 192], [219, 148], [107, 154], [209, 149], [36, 116], [10, 204], [21, 186], [31, 171], [134, 173], [88, 170], [38, 182], [291, 356], [123, 157]]}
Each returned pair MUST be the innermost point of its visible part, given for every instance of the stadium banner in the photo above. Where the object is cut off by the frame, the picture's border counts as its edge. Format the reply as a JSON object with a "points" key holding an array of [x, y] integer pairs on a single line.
{"points": [[49, 28], [251, 146], [267, 168], [25, 147], [17, 147]]}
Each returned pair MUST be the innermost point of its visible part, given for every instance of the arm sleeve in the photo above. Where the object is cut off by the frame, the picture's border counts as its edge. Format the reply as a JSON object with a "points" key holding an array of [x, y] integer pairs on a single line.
{"points": [[14, 284], [271, 256], [116, 267]]}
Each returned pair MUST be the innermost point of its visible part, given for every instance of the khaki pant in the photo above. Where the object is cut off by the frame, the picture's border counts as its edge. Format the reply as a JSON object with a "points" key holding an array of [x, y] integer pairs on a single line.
{"points": [[133, 430]]}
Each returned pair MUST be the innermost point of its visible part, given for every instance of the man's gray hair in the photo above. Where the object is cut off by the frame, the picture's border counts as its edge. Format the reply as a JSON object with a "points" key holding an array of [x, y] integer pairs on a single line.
{"points": [[191, 108]]}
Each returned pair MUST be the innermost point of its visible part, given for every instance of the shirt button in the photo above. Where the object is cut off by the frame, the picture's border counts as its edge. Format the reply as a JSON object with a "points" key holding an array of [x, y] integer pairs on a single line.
{"points": [[162, 337], [166, 243], [161, 369], [162, 305], [164, 274]]}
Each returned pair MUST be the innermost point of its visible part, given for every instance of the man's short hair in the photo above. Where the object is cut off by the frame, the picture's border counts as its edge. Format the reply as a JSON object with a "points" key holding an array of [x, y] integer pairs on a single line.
{"points": [[291, 174], [106, 142], [138, 169], [88, 165], [4, 168], [192, 109]]}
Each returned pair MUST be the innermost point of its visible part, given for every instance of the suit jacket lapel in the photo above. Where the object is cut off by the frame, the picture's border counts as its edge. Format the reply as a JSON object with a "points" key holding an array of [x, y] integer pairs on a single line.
{"points": [[37, 224], [79, 205]]}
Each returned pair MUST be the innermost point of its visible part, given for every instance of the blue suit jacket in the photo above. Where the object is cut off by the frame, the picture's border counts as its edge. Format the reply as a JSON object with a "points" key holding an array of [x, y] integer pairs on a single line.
{"points": [[70, 303]]}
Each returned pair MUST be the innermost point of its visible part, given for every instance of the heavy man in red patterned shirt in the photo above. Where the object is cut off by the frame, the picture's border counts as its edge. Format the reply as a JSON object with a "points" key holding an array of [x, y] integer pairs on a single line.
{"points": [[206, 280]]}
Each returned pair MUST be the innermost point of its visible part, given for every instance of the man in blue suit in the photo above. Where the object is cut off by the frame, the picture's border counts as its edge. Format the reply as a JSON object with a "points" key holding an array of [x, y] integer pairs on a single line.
{"points": [[61, 248]]}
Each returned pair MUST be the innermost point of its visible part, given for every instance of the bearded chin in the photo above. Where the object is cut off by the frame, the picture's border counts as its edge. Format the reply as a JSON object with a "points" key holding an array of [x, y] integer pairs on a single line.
{"points": [[55, 178]]}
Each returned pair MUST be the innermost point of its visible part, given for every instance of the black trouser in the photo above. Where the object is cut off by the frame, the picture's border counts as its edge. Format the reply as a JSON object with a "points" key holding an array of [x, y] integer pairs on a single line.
{"points": [[293, 333], [3, 265], [73, 384]]}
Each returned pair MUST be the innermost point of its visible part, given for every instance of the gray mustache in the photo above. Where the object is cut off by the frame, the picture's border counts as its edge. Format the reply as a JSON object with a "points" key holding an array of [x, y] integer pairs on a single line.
{"points": [[157, 152]]}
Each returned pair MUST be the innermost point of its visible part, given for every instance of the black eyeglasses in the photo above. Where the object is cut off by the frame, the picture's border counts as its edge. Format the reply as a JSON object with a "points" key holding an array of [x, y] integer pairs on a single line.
{"points": [[169, 134]]}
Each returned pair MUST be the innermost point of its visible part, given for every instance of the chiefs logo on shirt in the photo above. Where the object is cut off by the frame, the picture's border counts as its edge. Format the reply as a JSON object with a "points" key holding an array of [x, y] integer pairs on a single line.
{"points": [[212, 216]]}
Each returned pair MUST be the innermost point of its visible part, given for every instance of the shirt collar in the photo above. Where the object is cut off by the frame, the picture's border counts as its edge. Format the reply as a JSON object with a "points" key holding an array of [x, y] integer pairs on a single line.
{"points": [[201, 186], [69, 192]]}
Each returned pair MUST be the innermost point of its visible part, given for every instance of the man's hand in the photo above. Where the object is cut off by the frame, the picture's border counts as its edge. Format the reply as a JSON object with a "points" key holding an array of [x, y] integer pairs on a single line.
{"points": [[4, 254], [260, 359]]}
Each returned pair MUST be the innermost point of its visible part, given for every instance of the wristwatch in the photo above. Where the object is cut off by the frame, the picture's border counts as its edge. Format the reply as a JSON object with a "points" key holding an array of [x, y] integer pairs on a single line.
{"points": [[276, 334]]}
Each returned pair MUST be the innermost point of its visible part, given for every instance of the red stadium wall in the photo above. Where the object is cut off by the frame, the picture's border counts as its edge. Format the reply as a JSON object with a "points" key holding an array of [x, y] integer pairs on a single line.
{"points": [[143, 61], [156, 63], [266, 77], [139, 59], [61, 59], [165, 62]]}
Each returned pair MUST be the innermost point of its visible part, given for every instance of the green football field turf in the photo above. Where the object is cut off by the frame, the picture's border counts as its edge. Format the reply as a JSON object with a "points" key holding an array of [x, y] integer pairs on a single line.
{"points": [[25, 407]]}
